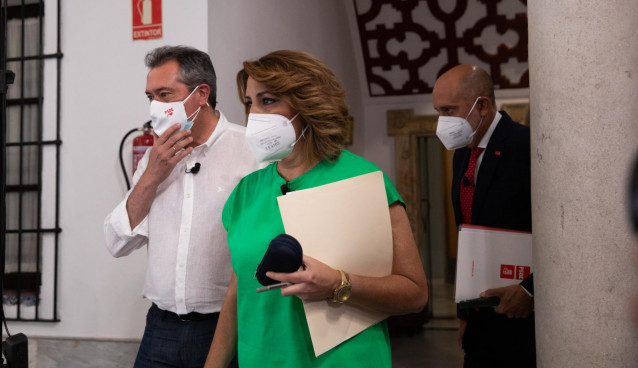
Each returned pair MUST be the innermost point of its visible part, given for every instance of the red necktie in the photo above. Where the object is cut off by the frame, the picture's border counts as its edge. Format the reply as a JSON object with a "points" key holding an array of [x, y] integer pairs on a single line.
{"points": [[467, 186]]}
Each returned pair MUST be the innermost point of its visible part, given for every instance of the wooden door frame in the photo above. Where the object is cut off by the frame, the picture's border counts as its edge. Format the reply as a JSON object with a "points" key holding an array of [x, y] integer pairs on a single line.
{"points": [[407, 128]]}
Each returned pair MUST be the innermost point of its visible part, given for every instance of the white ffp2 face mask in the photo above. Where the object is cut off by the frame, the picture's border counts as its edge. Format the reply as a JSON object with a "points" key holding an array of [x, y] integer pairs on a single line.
{"points": [[165, 114], [456, 132], [271, 137]]}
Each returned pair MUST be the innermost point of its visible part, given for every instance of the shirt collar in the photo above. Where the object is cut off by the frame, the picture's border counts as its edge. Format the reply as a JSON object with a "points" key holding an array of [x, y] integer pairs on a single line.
{"points": [[222, 124], [486, 138], [202, 149]]}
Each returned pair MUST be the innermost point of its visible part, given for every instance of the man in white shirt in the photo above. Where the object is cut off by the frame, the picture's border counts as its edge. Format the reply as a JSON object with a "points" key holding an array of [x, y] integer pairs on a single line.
{"points": [[175, 206]]}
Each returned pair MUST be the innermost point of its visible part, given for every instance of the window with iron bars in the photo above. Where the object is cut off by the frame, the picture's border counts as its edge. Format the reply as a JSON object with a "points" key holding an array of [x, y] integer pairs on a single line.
{"points": [[31, 150]]}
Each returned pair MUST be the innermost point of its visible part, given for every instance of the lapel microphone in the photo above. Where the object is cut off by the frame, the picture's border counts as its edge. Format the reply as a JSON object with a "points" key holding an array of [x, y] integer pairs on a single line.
{"points": [[285, 188], [194, 169]]}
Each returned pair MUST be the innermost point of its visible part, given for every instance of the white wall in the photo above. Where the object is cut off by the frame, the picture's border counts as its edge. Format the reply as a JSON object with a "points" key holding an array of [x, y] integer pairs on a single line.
{"points": [[102, 83]]}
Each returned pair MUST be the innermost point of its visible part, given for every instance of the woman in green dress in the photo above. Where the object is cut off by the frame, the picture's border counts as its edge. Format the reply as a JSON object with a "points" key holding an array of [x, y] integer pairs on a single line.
{"points": [[298, 120]]}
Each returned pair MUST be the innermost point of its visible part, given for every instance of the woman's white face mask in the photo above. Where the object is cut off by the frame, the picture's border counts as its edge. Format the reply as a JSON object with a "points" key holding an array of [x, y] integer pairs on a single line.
{"points": [[165, 114], [456, 132], [271, 137]]}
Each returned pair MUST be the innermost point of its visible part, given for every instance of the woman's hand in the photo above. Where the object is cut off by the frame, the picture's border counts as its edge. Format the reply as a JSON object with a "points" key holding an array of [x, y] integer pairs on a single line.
{"points": [[315, 282], [405, 290]]}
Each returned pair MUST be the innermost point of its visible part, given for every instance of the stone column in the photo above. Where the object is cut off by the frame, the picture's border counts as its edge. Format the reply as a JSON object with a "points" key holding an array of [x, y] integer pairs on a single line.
{"points": [[583, 58]]}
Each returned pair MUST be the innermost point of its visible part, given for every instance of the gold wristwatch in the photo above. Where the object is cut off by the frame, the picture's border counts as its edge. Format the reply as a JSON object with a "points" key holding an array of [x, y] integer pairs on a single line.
{"points": [[342, 292]]}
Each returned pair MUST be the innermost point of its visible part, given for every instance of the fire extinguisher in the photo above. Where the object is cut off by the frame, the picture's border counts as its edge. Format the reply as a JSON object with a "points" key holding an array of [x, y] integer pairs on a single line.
{"points": [[141, 143]]}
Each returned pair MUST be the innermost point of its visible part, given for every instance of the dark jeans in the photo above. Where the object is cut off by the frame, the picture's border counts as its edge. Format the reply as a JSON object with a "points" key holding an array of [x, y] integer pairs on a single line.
{"points": [[170, 342]]}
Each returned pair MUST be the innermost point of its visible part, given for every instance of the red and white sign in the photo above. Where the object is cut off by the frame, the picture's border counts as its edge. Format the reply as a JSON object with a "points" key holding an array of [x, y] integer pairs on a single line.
{"points": [[147, 19]]}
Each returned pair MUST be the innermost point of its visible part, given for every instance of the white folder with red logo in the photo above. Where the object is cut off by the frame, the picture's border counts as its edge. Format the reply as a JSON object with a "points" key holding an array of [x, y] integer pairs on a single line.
{"points": [[489, 258]]}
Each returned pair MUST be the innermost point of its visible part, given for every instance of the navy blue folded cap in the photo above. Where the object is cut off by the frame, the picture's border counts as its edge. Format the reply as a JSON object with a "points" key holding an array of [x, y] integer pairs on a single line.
{"points": [[284, 254]]}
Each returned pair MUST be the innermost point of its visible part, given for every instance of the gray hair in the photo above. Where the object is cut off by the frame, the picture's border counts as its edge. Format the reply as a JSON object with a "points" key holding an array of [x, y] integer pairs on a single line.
{"points": [[195, 67]]}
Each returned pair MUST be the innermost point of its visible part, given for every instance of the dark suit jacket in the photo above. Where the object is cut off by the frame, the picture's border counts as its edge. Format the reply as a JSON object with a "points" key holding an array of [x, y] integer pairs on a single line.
{"points": [[501, 199]]}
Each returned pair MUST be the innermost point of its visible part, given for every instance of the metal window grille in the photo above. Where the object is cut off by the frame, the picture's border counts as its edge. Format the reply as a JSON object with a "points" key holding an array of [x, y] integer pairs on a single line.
{"points": [[31, 150]]}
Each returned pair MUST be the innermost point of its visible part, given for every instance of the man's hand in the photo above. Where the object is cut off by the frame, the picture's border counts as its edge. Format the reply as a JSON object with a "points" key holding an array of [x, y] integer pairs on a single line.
{"points": [[168, 149], [462, 325], [515, 302]]}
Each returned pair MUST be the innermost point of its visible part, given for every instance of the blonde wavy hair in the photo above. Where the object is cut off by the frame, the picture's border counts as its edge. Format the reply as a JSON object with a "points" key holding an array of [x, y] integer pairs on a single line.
{"points": [[310, 88]]}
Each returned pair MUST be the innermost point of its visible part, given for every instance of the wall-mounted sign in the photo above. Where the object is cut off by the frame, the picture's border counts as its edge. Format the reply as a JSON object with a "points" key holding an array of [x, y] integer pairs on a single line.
{"points": [[147, 19]]}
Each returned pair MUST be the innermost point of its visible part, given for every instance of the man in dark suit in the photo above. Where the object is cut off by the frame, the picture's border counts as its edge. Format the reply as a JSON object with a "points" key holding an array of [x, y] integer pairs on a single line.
{"points": [[490, 187]]}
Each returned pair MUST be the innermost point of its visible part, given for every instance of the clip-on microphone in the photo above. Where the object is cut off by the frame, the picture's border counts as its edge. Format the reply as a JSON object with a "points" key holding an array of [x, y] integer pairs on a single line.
{"points": [[285, 188], [194, 169]]}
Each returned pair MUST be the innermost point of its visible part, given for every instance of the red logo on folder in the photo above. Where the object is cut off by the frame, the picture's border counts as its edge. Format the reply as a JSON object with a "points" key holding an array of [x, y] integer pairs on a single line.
{"points": [[522, 272], [507, 271], [515, 272]]}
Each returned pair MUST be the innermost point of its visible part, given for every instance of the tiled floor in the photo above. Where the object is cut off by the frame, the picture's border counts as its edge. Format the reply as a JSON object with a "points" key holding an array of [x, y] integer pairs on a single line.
{"points": [[434, 346], [66, 353], [431, 348]]}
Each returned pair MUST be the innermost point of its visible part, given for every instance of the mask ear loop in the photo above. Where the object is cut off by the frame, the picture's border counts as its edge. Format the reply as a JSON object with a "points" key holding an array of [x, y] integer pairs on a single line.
{"points": [[472, 109], [196, 113], [477, 128], [189, 96], [302, 132], [470, 113]]}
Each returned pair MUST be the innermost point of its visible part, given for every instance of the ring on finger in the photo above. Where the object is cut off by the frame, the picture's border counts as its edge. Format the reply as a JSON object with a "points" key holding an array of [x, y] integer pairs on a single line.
{"points": [[174, 149]]}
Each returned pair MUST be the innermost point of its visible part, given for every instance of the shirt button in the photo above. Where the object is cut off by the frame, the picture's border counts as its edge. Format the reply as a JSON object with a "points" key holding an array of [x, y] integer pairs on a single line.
{"points": [[181, 265], [180, 300], [188, 195]]}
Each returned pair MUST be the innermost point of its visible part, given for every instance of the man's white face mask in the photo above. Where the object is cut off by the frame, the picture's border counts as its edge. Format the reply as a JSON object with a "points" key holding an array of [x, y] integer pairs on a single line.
{"points": [[456, 132], [271, 137], [165, 114]]}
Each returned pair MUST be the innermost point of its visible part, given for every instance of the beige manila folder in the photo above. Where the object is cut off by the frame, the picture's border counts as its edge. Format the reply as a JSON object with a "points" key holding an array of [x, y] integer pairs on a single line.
{"points": [[346, 225], [490, 258]]}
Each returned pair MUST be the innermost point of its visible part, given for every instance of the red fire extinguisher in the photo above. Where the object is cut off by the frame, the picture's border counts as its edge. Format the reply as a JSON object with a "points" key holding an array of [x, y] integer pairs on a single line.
{"points": [[141, 143]]}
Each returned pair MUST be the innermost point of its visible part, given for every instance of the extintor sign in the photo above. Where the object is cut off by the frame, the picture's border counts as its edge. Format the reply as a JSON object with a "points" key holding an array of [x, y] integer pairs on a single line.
{"points": [[147, 19]]}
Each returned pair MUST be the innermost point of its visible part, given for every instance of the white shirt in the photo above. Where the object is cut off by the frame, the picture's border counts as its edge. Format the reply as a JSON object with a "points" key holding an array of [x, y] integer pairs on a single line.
{"points": [[189, 265], [484, 141]]}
